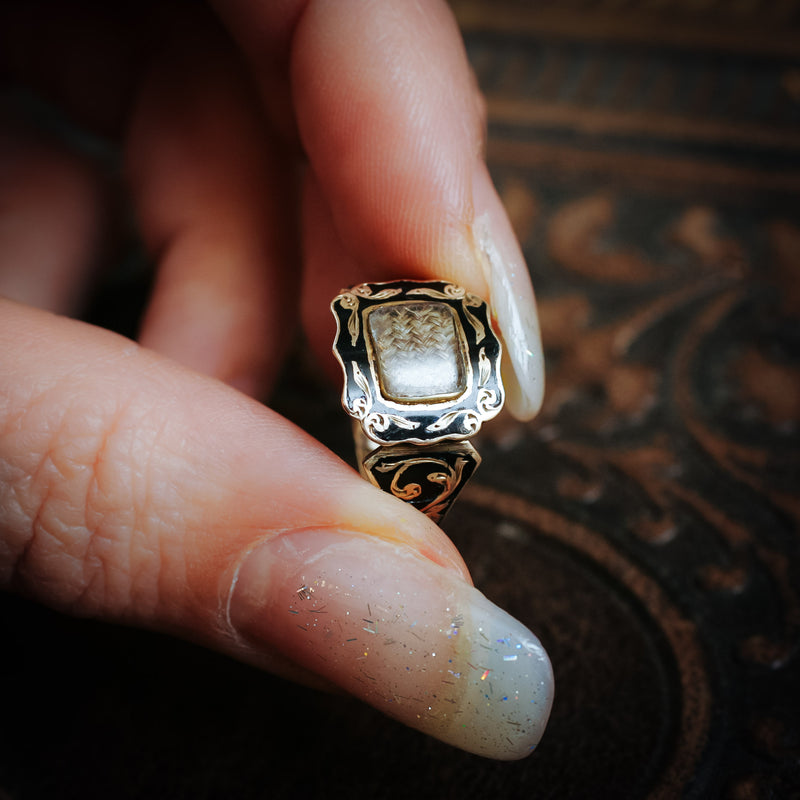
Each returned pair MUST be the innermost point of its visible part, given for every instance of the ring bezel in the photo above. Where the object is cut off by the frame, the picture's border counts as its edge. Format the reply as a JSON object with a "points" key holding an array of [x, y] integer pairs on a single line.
{"points": [[422, 420]]}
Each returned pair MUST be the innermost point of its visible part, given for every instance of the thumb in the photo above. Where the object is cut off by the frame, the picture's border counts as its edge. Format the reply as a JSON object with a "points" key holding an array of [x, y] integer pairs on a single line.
{"points": [[135, 490]]}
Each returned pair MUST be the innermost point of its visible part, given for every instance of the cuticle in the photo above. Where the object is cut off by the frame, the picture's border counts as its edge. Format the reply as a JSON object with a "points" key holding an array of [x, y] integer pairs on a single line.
{"points": [[274, 536]]}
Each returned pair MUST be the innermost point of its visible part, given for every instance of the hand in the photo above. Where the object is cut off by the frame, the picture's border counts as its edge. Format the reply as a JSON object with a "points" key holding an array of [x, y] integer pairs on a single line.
{"points": [[135, 485]]}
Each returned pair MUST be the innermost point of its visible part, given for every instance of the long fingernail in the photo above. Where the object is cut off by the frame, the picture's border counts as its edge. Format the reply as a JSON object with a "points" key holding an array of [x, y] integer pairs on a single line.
{"points": [[511, 298], [403, 634]]}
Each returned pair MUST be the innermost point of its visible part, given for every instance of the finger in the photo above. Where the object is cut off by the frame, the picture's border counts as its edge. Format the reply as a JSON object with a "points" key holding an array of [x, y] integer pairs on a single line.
{"points": [[53, 206], [388, 114], [325, 258], [215, 203], [132, 489]]}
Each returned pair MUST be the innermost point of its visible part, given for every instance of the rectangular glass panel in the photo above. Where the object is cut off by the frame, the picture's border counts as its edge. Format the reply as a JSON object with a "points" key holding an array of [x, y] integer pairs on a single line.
{"points": [[418, 351]]}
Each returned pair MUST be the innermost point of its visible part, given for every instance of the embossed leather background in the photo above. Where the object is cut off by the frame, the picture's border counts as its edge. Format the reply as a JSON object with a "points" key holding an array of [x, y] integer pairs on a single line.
{"points": [[645, 525]]}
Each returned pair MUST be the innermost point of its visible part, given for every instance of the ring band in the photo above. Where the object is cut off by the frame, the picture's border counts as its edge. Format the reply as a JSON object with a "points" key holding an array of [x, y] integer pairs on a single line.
{"points": [[421, 375]]}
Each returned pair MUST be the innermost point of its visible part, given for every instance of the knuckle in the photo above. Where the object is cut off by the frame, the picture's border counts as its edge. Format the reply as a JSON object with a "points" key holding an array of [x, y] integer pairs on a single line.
{"points": [[78, 536]]}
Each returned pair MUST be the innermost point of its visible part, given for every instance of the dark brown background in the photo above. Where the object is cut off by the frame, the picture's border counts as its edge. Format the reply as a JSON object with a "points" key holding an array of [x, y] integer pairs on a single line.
{"points": [[645, 525]]}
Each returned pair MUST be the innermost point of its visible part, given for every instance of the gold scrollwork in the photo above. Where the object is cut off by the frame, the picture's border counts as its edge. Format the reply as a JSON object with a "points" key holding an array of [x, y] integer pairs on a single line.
{"points": [[379, 423], [451, 292], [470, 421], [446, 476], [361, 405], [365, 290], [445, 420], [487, 400], [349, 301], [410, 490], [480, 330], [450, 482], [385, 294], [455, 292], [484, 367]]}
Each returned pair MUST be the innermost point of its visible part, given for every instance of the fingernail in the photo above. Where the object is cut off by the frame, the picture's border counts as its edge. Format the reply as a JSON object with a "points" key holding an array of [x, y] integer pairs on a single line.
{"points": [[403, 634], [512, 300]]}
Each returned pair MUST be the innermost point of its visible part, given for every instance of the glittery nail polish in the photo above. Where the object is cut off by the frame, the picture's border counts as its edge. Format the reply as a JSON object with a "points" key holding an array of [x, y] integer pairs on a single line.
{"points": [[403, 634]]}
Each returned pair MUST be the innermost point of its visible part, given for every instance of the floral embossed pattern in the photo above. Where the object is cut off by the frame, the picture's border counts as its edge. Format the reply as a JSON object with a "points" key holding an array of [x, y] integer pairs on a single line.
{"points": [[655, 191]]}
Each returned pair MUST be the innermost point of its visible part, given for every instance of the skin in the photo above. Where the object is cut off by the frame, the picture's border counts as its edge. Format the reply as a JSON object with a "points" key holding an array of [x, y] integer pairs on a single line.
{"points": [[274, 153]]}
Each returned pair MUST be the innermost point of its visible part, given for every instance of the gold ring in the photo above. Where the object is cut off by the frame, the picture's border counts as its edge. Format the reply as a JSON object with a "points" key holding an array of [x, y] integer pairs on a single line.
{"points": [[421, 369]]}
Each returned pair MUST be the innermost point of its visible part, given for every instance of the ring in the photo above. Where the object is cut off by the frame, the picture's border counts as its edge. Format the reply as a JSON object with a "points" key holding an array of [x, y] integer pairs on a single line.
{"points": [[421, 375]]}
